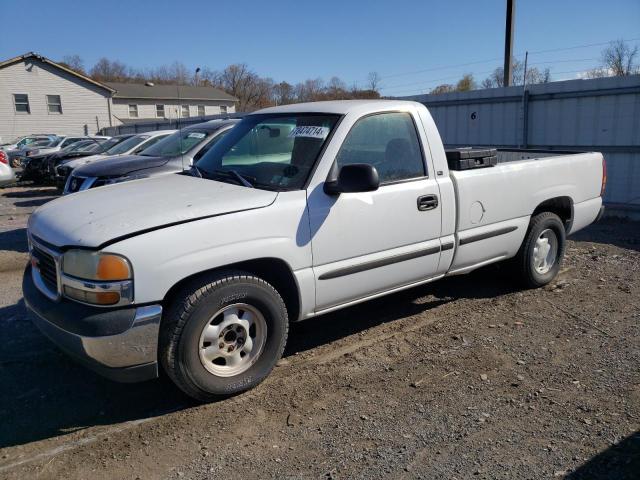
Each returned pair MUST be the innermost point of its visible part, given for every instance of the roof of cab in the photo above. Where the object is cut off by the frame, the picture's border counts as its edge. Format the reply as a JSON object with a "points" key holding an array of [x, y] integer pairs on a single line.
{"points": [[341, 107]]}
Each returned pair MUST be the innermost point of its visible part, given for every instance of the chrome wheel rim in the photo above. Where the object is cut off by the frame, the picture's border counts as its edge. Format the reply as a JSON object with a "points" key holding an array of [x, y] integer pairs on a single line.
{"points": [[232, 340], [545, 251]]}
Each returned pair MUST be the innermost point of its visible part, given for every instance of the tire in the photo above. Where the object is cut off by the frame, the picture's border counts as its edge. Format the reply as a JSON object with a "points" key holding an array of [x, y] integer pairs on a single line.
{"points": [[532, 272], [207, 370]]}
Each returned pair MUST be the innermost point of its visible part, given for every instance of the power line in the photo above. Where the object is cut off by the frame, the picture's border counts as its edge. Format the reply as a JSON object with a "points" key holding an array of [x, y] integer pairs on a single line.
{"points": [[444, 67], [431, 80], [420, 91]]}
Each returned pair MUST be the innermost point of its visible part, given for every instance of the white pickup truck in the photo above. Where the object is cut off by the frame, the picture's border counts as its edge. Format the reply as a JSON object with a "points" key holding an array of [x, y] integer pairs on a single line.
{"points": [[299, 210]]}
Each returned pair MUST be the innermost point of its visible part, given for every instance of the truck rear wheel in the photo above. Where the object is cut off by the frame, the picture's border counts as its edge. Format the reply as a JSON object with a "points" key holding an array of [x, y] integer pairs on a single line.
{"points": [[539, 258], [223, 334]]}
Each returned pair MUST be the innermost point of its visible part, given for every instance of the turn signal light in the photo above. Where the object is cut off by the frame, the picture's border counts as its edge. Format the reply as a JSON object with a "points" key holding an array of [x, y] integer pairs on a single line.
{"points": [[112, 267], [94, 297]]}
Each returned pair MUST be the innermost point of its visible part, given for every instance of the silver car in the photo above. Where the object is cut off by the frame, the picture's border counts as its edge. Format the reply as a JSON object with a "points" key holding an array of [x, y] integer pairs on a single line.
{"points": [[7, 175]]}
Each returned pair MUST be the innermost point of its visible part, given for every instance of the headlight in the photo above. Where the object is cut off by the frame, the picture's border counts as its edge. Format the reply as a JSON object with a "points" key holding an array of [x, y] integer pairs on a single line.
{"points": [[97, 278], [99, 266]]}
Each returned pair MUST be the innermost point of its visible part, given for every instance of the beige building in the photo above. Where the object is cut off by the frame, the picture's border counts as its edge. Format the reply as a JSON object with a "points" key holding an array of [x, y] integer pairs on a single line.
{"points": [[38, 95]]}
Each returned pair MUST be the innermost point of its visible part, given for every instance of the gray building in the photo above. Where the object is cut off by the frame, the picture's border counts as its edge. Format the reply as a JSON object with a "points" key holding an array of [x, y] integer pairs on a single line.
{"points": [[38, 95]]}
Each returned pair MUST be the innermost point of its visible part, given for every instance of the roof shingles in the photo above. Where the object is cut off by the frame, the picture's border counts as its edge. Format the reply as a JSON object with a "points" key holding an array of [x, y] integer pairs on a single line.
{"points": [[168, 92]]}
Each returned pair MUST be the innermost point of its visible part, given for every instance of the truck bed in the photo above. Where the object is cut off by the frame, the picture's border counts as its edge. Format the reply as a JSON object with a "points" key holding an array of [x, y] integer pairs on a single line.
{"points": [[503, 197]]}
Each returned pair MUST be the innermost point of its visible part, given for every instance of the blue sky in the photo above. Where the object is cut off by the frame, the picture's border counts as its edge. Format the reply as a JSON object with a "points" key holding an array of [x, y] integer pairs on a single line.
{"points": [[292, 41]]}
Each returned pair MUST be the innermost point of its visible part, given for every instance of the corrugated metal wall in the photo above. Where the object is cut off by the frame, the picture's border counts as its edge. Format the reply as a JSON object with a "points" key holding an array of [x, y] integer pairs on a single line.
{"points": [[601, 114]]}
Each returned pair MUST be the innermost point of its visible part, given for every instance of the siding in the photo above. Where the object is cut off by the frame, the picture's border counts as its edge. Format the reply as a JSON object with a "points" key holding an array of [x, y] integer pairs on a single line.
{"points": [[147, 108], [84, 105]]}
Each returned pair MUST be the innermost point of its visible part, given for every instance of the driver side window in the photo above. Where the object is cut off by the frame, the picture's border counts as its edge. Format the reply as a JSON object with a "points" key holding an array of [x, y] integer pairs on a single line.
{"points": [[387, 141]]}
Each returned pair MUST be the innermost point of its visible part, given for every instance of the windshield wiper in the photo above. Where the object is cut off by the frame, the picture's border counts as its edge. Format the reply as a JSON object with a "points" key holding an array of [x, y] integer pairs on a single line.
{"points": [[233, 173]]}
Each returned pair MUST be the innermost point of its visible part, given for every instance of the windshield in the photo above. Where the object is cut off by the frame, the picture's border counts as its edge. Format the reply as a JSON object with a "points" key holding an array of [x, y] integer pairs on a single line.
{"points": [[112, 142], [273, 151], [127, 145], [77, 145], [177, 143]]}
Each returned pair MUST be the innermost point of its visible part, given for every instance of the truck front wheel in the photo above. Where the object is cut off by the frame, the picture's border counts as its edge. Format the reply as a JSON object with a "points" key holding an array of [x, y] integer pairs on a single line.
{"points": [[223, 334], [539, 258]]}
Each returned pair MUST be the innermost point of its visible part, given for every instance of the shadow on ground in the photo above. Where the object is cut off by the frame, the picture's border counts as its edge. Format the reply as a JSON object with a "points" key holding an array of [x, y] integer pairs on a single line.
{"points": [[45, 394], [32, 192], [619, 462], [612, 231], [14, 241]]}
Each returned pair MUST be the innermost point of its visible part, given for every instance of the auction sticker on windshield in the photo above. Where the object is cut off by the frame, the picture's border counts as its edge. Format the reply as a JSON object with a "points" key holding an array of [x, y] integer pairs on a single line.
{"points": [[309, 131], [196, 135]]}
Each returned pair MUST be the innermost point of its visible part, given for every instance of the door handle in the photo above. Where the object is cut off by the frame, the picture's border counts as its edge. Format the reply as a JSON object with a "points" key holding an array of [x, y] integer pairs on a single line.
{"points": [[427, 202]]}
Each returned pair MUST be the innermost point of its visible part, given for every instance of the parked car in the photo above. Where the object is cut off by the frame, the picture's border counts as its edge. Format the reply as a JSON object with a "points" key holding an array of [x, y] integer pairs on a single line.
{"points": [[23, 141], [59, 171], [173, 154], [7, 174], [62, 142], [18, 155], [131, 146], [298, 211], [37, 169]]}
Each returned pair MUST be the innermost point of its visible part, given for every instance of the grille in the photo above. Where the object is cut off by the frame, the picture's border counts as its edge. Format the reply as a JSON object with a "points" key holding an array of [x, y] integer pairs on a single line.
{"points": [[47, 268]]}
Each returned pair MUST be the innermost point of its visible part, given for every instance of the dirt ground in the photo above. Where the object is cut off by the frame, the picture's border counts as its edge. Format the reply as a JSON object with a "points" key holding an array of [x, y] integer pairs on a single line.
{"points": [[467, 377]]}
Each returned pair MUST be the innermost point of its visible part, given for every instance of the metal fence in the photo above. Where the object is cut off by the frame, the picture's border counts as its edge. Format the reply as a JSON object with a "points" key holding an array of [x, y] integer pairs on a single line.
{"points": [[152, 125], [588, 115]]}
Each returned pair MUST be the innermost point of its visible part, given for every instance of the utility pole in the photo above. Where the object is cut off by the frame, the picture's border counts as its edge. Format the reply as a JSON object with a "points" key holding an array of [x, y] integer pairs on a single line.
{"points": [[508, 43]]}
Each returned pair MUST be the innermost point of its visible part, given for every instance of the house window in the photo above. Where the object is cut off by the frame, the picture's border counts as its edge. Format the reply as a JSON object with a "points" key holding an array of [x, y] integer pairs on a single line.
{"points": [[185, 111], [201, 110], [160, 111], [223, 109], [133, 111], [54, 104], [21, 102]]}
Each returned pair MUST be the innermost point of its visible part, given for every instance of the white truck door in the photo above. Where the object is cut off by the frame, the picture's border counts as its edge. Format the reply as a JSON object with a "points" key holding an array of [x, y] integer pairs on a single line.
{"points": [[368, 243]]}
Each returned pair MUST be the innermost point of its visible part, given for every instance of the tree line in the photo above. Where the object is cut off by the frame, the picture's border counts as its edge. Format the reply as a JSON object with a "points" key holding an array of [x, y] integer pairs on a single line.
{"points": [[252, 90]]}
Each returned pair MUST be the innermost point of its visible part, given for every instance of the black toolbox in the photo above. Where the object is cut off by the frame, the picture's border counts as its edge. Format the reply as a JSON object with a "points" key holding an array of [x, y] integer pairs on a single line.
{"points": [[468, 157]]}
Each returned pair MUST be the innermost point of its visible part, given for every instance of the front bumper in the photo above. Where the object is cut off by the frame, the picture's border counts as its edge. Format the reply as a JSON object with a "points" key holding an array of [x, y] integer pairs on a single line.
{"points": [[120, 344]]}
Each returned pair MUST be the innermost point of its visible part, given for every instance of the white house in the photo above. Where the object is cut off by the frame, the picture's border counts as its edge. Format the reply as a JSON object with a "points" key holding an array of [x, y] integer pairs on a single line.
{"points": [[38, 95]]}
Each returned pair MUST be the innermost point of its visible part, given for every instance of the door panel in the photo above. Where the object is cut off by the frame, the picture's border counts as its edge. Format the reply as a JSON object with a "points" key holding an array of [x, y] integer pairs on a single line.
{"points": [[365, 243]]}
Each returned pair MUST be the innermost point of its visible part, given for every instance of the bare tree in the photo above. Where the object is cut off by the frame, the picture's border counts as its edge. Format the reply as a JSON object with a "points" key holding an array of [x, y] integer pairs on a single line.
{"points": [[619, 58], [466, 83], [443, 88], [534, 76], [74, 62], [109, 71], [373, 81], [283, 93]]}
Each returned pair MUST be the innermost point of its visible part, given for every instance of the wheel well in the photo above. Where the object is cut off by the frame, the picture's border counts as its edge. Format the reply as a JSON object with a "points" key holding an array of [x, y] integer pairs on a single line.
{"points": [[273, 270], [561, 206]]}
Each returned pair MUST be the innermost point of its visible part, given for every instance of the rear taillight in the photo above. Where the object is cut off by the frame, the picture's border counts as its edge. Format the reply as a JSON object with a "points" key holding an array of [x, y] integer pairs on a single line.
{"points": [[3, 158], [604, 177]]}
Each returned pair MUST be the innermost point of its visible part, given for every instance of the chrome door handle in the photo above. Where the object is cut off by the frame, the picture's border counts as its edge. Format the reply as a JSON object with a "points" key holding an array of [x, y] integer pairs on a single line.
{"points": [[427, 202]]}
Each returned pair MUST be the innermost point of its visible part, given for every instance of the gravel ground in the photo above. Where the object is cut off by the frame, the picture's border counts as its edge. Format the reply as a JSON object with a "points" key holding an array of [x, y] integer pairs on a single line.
{"points": [[467, 377]]}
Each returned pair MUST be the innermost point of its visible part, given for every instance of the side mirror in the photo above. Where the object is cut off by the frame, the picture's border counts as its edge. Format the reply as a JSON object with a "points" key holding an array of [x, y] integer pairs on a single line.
{"points": [[353, 178]]}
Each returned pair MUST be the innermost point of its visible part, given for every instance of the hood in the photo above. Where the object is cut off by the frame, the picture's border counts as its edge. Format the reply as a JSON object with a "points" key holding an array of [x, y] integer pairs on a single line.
{"points": [[97, 216], [119, 166], [84, 159]]}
